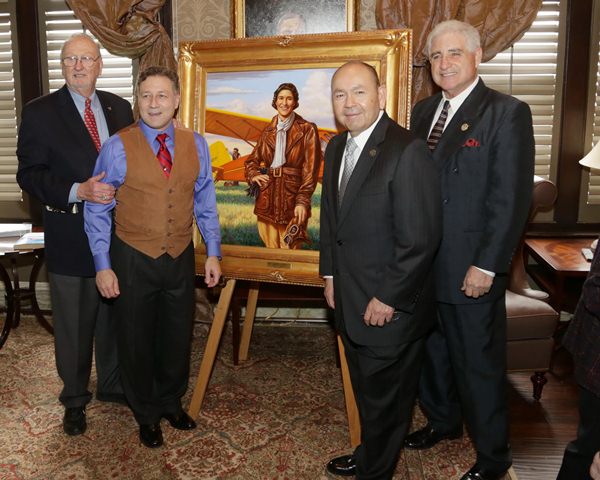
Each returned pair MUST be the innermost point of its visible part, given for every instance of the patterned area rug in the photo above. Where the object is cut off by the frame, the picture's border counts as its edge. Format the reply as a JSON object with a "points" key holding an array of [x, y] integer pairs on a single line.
{"points": [[280, 415]]}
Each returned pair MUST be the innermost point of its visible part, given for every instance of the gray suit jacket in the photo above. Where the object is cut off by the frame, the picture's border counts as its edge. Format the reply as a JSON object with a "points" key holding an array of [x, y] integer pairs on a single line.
{"points": [[382, 240]]}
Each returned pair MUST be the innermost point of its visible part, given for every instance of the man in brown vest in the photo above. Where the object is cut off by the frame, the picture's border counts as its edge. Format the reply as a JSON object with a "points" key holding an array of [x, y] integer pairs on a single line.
{"points": [[163, 178]]}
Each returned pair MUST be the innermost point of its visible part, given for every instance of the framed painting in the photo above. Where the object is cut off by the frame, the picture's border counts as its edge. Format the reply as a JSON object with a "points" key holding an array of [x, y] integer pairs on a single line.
{"points": [[227, 94], [260, 18]]}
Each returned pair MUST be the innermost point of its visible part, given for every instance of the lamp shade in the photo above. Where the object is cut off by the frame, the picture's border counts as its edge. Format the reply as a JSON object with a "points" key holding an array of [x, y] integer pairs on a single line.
{"points": [[592, 159]]}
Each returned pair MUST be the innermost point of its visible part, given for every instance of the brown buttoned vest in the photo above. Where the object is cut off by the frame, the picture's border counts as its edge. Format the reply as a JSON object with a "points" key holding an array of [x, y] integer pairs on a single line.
{"points": [[154, 214]]}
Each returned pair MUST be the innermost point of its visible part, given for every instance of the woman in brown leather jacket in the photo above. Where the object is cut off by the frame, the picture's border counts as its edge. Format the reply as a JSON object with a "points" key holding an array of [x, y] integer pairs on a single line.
{"points": [[284, 166]]}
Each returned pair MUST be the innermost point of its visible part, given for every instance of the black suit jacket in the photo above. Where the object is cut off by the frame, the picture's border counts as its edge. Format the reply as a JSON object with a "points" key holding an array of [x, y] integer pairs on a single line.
{"points": [[55, 150], [486, 156], [583, 336], [382, 240]]}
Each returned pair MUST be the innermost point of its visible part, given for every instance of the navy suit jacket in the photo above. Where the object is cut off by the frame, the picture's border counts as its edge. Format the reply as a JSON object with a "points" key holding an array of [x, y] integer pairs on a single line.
{"points": [[382, 240], [55, 150], [486, 157]]}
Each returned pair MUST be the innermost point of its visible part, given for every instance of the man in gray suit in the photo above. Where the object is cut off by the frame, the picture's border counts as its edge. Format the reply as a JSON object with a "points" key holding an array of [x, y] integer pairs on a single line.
{"points": [[483, 143], [380, 229], [59, 138]]}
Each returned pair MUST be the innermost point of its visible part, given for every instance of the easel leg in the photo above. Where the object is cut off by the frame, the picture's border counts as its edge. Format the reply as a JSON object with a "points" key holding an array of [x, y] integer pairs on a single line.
{"points": [[210, 351], [249, 321], [351, 409]]}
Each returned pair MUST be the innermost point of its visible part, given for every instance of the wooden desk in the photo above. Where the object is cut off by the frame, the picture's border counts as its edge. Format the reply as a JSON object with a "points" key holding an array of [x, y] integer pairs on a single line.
{"points": [[15, 295], [561, 268]]}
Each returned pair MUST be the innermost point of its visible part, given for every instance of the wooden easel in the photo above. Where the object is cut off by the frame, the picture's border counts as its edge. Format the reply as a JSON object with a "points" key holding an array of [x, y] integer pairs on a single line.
{"points": [[212, 345]]}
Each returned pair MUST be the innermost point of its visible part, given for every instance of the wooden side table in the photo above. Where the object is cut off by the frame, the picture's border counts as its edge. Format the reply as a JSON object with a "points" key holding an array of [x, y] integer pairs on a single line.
{"points": [[561, 268], [15, 295]]}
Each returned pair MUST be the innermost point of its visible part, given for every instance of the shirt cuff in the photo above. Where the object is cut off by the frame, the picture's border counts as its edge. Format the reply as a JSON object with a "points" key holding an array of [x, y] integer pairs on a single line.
{"points": [[102, 261], [487, 272], [73, 193], [327, 276], [213, 249]]}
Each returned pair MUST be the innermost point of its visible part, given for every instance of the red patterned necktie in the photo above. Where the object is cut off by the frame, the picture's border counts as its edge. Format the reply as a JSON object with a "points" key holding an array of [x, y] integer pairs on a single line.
{"points": [[438, 128], [163, 155], [90, 123]]}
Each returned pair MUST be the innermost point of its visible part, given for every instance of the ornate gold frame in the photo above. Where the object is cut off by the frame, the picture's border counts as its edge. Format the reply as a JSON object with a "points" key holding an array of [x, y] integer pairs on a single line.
{"points": [[389, 51], [238, 17]]}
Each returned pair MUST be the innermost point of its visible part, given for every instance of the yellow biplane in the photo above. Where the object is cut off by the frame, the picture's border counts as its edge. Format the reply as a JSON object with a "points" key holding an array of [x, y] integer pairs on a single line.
{"points": [[244, 127]]}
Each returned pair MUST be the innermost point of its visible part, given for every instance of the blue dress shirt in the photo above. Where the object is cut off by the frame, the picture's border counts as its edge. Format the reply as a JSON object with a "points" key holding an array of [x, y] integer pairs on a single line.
{"points": [[112, 160]]}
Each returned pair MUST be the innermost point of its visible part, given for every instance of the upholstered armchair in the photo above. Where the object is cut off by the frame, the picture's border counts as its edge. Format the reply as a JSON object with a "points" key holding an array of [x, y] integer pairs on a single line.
{"points": [[531, 321]]}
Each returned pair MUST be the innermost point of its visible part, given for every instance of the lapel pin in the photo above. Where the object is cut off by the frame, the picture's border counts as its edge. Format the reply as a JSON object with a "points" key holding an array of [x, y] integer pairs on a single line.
{"points": [[372, 152], [109, 109], [464, 127]]}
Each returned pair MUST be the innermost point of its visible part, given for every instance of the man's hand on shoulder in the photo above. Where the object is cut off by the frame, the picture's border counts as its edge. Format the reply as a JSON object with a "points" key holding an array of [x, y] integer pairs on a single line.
{"points": [[107, 283], [476, 283], [93, 190], [212, 271], [377, 313]]}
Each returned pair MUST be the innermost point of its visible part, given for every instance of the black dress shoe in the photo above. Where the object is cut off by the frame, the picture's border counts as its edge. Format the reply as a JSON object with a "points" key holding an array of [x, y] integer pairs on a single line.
{"points": [[478, 473], [74, 421], [344, 466], [112, 398], [151, 435], [427, 437], [180, 421]]}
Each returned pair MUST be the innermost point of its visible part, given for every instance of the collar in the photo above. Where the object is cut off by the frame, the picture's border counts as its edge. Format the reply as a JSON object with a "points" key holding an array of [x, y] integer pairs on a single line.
{"points": [[151, 133], [459, 99], [80, 99]]}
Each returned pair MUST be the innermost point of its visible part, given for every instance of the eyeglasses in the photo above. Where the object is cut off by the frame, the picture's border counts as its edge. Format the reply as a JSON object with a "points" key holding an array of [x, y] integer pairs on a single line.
{"points": [[85, 60]]}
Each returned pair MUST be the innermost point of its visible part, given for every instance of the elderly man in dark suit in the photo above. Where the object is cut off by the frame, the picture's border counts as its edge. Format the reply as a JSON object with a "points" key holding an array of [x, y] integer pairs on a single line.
{"points": [[380, 229], [483, 143], [59, 139], [583, 341]]}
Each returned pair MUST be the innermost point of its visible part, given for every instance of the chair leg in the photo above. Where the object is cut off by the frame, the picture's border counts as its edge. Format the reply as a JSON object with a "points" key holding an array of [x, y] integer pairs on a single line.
{"points": [[539, 380]]}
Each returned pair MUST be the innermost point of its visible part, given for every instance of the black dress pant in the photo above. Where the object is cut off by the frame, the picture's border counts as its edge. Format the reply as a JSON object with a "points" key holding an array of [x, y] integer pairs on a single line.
{"points": [[464, 378], [384, 381], [81, 319], [579, 453], [154, 313]]}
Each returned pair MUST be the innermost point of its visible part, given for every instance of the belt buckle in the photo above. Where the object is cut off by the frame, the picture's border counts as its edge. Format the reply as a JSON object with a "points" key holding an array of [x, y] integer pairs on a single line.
{"points": [[276, 172]]}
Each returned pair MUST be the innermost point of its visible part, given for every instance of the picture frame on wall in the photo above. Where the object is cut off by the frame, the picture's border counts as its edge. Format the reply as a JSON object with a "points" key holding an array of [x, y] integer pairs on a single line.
{"points": [[259, 18], [226, 92]]}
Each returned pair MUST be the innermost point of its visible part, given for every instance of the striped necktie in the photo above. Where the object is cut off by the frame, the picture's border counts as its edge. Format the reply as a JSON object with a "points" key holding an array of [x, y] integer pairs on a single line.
{"points": [[349, 164], [163, 155], [90, 123], [438, 128]]}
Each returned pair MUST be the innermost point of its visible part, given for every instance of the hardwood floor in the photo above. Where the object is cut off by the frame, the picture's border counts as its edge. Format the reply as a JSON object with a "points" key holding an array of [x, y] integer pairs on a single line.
{"points": [[541, 430]]}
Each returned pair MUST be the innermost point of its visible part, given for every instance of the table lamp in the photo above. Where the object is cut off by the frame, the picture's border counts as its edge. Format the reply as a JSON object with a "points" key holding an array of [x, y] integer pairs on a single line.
{"points": [[592, 160]]}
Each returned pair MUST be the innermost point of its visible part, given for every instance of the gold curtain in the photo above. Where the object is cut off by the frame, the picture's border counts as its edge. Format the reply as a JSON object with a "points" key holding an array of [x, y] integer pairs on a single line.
{"points": [[499, 22], [129, 28]]}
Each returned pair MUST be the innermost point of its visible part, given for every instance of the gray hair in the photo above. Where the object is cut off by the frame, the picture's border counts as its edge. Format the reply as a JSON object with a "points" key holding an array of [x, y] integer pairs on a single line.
{"points": [[77, 36], [469, 32]]}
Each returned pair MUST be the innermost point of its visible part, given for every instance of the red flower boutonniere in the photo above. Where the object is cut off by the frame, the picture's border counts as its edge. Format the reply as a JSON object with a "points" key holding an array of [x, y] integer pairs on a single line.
{"points": [[472, 142]]}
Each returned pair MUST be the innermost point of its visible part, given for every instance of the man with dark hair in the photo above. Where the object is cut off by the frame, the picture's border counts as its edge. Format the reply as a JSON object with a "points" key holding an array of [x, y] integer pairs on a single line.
{"points": [[163, 178], [483, 143], [282, 170], [380, 229], [59, 139]]}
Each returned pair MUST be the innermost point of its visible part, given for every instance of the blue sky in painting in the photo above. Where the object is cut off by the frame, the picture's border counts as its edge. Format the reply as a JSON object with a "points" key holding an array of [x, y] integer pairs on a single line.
{"points": [[251, 93]]}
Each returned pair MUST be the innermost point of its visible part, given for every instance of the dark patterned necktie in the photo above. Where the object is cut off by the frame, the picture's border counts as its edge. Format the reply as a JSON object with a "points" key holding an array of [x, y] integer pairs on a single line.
{"points": [[349, 164], [438, 128], [163, 155], [90, 123]]}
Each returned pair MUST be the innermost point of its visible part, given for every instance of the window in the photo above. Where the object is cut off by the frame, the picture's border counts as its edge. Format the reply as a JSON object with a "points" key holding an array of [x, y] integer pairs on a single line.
{"points": [[59, 23], [9, 190], [528, 71]]}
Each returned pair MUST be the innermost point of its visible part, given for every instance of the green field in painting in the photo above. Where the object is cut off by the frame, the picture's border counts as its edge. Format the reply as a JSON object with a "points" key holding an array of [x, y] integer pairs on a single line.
{"points": [[238, 222]]}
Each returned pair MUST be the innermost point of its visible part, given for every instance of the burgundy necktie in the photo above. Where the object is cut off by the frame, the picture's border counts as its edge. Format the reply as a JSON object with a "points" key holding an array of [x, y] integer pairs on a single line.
{"points": [[438, 128], [163, 155], [90, 123]]}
